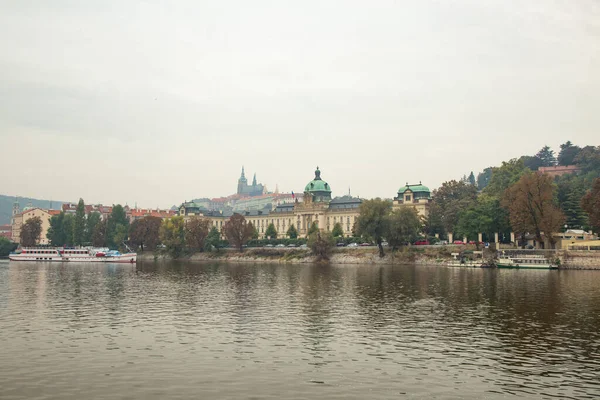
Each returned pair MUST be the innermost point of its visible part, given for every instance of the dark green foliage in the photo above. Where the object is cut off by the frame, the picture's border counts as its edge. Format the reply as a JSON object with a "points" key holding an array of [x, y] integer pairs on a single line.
{"points": [[213, 239], [117, 227], [314, 228], [31, 232], [172, 235], [532, 163], [337, 231], [68, 226], [483, 178], [6, 246], [271, 232], [471, 179], [591, 204], [255, 233], [546, 155], [79, 224], [292, 232], [93, 219], [56, 233], [372, 221], [568, 153], [451, 199], [99, 234], [403, 227], [321, 244], [505, 176]]}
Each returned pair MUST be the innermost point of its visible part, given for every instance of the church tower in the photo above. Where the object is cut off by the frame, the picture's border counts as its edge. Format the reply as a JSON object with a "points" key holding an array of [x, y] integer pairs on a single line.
{"points": [[242, 182], [15, 210]]}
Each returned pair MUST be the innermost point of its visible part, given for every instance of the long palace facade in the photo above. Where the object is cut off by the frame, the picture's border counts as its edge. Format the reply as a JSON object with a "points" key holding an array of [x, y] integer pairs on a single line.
{"points": [[317, 205]]}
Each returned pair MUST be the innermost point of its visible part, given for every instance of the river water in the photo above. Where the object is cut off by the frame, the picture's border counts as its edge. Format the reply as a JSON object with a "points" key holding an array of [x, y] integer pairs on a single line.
{"points": [[223, 331]]}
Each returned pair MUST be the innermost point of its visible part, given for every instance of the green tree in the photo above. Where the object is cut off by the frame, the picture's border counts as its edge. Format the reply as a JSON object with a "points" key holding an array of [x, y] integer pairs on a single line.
{"points": [[433, 222], [271, 231], [321, 244], [483, 178], [591, 204], [213, 239], [574, 214], [196, 231], [292, 232], [337, 231], [588, 159], [568, 153], [68, 226], [238, 231], [31, 232], [451, 199], [314, 227], [532, 163], [99, 234], [403, 226], [117, 227], [471, 179], [172, 235], [255, 234], [56, 233], [93, 219], [372, 221], [6, 246], [531, 206], [145, 232], [504, 177], [546, 155], [79, 224]]}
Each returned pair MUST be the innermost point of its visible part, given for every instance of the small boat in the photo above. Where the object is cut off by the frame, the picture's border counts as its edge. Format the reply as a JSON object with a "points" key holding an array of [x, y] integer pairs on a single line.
{"points": [[530, 261], [66, 254]]}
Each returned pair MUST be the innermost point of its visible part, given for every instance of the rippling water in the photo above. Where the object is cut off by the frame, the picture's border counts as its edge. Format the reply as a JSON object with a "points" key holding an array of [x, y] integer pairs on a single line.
{"points": [[225, 331]]}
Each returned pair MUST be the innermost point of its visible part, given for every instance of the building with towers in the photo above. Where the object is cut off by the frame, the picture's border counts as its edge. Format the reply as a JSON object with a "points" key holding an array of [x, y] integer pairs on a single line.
{"points": [[255, 189]]}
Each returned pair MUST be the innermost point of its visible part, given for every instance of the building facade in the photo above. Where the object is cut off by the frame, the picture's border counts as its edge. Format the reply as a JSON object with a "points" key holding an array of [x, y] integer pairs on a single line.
{"points": [[26, 215], [417, 196], [315, 205]]}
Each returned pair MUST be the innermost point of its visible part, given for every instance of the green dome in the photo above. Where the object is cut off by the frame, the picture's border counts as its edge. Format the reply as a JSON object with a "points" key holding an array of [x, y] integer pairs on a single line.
{"points": [[414, 188], [317, 184]]}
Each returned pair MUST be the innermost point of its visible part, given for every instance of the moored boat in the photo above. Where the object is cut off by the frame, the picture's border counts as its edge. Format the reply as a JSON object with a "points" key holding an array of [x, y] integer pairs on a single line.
{"points": [[60, 254], [530, 261]]}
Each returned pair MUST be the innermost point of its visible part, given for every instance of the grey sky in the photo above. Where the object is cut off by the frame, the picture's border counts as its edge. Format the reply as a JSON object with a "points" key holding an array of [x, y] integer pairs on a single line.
{"points": [[161, 101]]}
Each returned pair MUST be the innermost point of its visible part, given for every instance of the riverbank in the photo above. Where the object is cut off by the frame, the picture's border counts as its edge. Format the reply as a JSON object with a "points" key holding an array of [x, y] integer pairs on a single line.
{"points": [[588, 260]]}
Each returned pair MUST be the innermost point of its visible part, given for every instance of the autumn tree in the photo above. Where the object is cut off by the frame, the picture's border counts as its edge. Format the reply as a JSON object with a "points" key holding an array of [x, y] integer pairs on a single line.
{"points": [[31, 232], [237, 230], [196, 231], [271, 232], [531, 207], [337, 230], [403, 226], [292, 232], [145, 232], [79, 225], [172, 235], [321, 244], [591, 205], [373, 219]]}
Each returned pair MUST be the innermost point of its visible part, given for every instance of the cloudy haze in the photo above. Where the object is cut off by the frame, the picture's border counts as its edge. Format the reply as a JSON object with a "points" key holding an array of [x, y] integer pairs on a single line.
{"points": [[156, 102]]}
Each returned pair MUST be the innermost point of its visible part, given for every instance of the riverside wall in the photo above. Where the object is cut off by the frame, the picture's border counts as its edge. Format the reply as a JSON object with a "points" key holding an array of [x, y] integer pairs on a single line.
{"points": [[579, 259]]}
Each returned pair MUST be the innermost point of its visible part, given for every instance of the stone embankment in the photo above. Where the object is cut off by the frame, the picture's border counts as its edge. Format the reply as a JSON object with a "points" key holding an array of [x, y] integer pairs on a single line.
{"points": [[579, 259]]}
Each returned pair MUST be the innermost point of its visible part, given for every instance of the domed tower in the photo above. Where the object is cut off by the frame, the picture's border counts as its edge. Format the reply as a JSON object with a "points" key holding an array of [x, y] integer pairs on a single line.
{"points": [[317, 190]]}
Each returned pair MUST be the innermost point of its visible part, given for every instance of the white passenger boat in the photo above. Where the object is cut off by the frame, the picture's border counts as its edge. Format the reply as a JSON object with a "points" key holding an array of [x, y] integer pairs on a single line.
{"points": [[526, 261], [66, 254]]}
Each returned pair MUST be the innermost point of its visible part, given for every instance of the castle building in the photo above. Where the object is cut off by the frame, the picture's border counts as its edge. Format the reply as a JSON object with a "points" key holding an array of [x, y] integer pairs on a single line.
{"points": [[256, 189], [417, 196], [317, 206]]}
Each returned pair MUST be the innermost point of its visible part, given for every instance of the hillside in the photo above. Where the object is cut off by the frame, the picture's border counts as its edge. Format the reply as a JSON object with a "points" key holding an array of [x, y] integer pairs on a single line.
{"points": [[6, 205]]}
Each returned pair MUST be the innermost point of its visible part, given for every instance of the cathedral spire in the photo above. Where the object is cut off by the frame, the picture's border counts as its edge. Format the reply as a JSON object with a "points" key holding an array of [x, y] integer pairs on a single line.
{"points": [[254, 180], [243, 174]]}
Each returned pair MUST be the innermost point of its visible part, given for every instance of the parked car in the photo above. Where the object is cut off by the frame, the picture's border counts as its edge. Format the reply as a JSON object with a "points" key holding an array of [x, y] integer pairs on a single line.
{"points": [[280, 245], [291, 245], [303, 246], [365, 244], [422, 243], [385, 244], [269, 245], [353, 245], [341, 244], [458, 242]]}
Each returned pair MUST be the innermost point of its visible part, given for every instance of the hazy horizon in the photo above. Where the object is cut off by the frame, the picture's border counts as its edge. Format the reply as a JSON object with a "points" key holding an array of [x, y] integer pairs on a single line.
{"points": [[156, 103]]}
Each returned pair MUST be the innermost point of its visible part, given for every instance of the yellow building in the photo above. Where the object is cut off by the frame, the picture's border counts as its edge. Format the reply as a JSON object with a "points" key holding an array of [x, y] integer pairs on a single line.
{"points": [[417, 196], [26, 215], [316, 206]]}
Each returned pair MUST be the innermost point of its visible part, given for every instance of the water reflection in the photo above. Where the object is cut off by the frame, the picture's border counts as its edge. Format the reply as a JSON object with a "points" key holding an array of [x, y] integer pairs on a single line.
{"points": [[231, 331]]}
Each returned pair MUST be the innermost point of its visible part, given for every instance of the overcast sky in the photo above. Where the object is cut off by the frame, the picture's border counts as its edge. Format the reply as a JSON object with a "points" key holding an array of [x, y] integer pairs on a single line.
{"points": [[157, 102]]}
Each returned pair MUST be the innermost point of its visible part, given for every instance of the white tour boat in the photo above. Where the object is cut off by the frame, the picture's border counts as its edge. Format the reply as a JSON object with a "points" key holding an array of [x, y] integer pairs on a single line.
{"points": [[72, 255], [531, 261]]}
